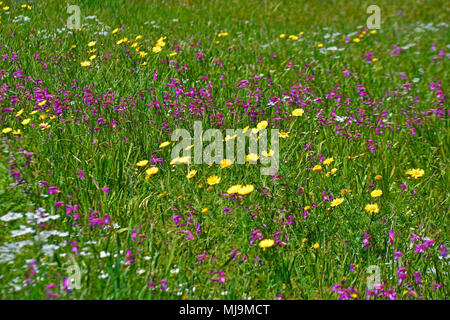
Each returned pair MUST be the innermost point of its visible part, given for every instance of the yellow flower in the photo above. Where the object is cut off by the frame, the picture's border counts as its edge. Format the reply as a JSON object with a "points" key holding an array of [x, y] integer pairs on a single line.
{"points": [[139, 37], [246, 189], [253, 157], [378, 177], [230, 137], [345, 191], [320, 45], [376, 193], [262, 125], [162, 195], [115, 31], [356, 40], [182, 160], [7, 130], [336, 202], [40, 104], [293, 37], [373, 31], [333, 171], [151, 171], [164, 144], [191, 174], [317, 168], [122, 41], [44, 125], [92, 57], [213, 180], [19, 113], [245, 129], [222, 34], [372, 208], [142, 54], [156, 49], [6, 8], [316, 246], [234, 189], [328, 160], [142, 163], [26, 121], [205, 211], [85, 64], [225, 163], [282, 36], [283, 135], [268, 155], [17, 132], [298, 112], [266, 243], [415, 173], [91, 44]]}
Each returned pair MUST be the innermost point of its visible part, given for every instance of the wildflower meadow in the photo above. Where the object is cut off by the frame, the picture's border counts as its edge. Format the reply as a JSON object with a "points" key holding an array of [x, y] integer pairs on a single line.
{"points": [[232, 150]]}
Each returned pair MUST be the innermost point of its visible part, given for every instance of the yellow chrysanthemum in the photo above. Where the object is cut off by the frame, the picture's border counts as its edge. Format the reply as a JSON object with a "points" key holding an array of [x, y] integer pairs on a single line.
{"points": [[415, 173], [266, 243], [246, 189], [234, 189], [164, 144], [336, 202], [151, 171], [191, 174], [142, 163], [225, 163], [376, 193], [298, 112], [262, 125], [213, 180], [372, 208]]}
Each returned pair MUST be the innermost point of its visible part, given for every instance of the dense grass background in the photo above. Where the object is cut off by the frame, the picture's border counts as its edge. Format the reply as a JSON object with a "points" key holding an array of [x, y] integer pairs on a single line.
{"points": [[140, 252]]}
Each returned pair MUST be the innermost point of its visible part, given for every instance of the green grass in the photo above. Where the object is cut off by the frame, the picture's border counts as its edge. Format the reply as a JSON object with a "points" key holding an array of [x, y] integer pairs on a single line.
{"points": [[120, 90]]}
